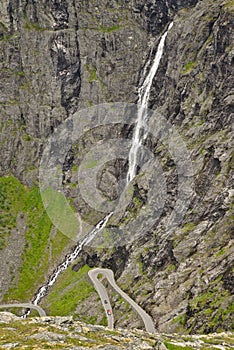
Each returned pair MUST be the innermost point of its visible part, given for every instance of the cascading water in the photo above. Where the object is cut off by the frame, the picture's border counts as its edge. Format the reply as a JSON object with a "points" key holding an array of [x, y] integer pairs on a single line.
{"points": [[138, 137], [68, 260], [143, 98]]}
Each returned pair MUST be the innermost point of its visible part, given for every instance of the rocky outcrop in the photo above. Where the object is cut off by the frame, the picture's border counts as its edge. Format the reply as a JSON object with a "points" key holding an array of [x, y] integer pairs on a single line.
{"points": [[156, 14], [40, 78], [65, 333]]}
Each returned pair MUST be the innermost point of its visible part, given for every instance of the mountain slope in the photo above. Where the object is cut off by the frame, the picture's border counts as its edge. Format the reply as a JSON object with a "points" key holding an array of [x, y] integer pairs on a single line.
{"points": [[60, 57]]}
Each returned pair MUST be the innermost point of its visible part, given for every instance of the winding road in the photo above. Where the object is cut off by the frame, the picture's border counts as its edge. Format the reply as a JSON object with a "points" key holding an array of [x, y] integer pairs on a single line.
{"points": [[25, 305], [109, 275]]}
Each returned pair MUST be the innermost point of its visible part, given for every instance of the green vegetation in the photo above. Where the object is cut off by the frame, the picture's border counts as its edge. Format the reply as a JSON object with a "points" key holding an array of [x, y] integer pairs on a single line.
{"points": [[94, 77], [110, 29], [219, 340], [103, 321], [189, 67], [50, 334], [92, 73], [10, 102], [8, 37], [91, 164], [12, 195], [171, 268], [27, 137], [141, 267], [11, 72], [75, 168], [70, 289], [229, 5], [33, 25], [215, 306], [35, 255], [24, 331], [58, 243], [181, 319], [90, 103], [171, 346], [61, 212], [107, 238], [16, 200], [73, 185], [3, 26], [188, 227], [20, 74], [221, 252]]}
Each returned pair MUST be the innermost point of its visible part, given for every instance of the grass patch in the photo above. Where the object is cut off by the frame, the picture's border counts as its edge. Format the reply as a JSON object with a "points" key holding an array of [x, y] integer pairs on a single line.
{"points": [[75, 168], [59, 242], [92, 73], [90, 103], [70, 289], [189, 67], [61, 212], [27, 137], [221, 252], [90, 164], [141, 267], [229, 5], [92, 70], [35, 255], [110, 29], [12, 195], [188, 227], [17, 200], [181, 319], [171, 346], [33, 25], [171, 268]]}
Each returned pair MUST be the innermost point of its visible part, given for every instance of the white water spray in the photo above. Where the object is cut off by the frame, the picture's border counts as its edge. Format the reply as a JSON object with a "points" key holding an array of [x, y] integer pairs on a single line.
{"points": [[143, 99]]}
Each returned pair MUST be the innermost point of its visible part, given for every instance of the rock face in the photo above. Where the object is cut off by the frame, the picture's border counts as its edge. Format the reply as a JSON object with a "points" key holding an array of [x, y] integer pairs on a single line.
{"points": [[61, 56]]}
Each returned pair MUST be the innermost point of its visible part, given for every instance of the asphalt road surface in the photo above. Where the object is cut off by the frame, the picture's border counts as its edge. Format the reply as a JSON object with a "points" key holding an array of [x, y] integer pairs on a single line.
{"points": [[109, 275], [25, 305], [103, 295]]}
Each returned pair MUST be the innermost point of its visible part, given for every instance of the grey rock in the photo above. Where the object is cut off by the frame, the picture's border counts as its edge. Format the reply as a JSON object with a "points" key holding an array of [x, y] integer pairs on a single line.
{"points": [[50, 336], [8, 317], [10, 345]]}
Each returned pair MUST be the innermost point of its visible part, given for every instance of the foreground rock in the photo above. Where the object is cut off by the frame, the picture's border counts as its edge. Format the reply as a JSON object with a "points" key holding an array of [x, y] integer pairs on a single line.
{"points": [[65, 333]]}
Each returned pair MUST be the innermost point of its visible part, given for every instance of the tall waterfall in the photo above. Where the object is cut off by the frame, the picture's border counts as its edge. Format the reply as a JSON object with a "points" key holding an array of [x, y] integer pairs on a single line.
{"points": [[143, 93], [143, 98]]}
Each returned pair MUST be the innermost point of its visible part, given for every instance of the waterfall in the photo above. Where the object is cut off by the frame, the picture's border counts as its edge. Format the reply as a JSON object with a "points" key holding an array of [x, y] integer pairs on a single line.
{"points": [[67, 261], [143, 93], [143, 98]]}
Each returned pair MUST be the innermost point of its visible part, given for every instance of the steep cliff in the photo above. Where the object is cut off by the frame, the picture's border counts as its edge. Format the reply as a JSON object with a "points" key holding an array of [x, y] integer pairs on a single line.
{"points": [[58, 57]]}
